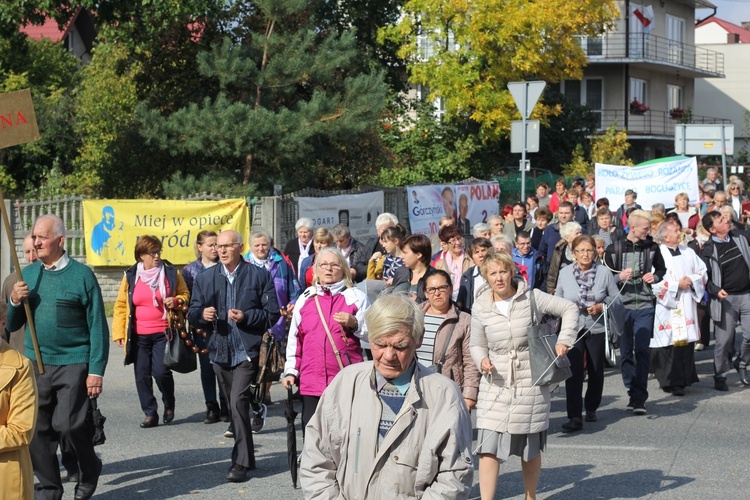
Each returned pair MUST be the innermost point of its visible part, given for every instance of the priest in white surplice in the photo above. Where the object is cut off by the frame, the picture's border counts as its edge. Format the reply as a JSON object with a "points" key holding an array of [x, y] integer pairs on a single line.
{"points": [[676, 326]]}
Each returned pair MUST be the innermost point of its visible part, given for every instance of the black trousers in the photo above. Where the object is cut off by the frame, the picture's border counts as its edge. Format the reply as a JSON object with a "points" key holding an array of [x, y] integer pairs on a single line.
{"points": [[148, 365], [309, 405], [63, 405], [592, 347], [238, 383]]}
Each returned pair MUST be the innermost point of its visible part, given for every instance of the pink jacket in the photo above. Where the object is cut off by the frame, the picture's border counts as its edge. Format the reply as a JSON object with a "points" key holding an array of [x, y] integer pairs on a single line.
{"points": [[309, 355]]}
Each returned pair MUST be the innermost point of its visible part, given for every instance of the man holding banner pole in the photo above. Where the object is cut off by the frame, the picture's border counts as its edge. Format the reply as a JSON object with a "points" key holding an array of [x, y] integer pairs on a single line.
{"points": [[68, 309]]}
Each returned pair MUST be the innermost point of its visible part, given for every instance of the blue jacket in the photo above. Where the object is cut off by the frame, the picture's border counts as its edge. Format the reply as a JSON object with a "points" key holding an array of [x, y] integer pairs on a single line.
{"points": [[534, 265], [549, 240], [256, 298]]}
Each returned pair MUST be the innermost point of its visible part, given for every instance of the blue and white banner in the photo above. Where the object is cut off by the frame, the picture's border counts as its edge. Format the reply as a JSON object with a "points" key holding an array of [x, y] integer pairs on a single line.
{"points": [[656, 183], [466, 204]]}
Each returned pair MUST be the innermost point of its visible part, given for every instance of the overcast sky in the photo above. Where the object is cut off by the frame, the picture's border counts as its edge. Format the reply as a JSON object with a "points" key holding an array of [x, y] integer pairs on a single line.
{"points": [[734, 11]]}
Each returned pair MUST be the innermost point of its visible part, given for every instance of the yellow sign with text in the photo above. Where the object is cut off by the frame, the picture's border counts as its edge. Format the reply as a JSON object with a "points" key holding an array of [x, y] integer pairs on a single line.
{"points": [[112, 227]]}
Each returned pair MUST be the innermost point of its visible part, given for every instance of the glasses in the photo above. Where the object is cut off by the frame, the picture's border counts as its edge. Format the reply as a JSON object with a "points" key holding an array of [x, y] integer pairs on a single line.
{"points": [[329, 265], [437, 289], [226, 247], [734, 187], [155, 254], [456, 241]]}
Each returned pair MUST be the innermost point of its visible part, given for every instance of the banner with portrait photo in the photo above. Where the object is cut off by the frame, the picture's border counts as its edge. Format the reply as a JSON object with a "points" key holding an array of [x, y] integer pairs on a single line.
{"points": [[358, 211], [654, 183], [112, 227], [466, 204]]}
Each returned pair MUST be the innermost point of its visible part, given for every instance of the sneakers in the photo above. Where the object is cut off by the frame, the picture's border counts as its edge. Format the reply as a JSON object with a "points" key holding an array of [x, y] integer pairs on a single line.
{"points": [[229, 433], [639, 408], [629, 407], [259, 419]]}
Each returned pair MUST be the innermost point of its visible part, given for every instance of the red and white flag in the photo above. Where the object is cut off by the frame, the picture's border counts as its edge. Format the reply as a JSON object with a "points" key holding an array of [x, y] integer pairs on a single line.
{"points": [[646, 17]]}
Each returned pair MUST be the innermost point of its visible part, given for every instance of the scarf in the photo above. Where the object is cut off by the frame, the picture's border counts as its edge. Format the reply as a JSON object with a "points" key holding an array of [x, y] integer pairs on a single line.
{"points": [[585, 280], [265, 263], [155, 279]]}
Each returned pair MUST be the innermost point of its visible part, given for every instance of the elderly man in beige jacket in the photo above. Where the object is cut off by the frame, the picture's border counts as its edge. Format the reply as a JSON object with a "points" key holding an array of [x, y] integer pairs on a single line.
{"points": [[389, 428]]}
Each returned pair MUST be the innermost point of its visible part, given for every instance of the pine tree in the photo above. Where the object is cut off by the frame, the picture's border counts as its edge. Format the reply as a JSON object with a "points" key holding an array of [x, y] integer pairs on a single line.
{"points": [[282, 88]]}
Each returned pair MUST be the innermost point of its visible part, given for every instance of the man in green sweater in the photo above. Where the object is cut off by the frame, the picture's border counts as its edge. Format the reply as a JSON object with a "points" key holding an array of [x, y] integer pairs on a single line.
{"points": [[68, 310]]}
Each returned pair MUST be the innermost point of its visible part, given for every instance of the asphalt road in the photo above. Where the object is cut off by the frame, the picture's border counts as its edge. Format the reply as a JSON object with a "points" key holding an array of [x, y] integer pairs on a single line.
{"points": [[689, 447]]}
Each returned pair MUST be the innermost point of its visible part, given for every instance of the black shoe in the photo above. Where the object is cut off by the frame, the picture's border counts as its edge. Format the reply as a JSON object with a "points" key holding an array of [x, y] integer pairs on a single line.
{"points": [[667, 389], [84, 491], [150, 422], [629, 407], [237, 474], [212, 413], [224, 412], [591, 416], [678, 391], [639, 407], [721, 385], [74, 477], [573, 425], [168, 416]]}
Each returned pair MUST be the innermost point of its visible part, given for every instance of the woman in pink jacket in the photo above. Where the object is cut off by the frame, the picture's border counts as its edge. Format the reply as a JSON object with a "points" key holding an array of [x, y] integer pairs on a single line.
{"points": [[331, 311]]}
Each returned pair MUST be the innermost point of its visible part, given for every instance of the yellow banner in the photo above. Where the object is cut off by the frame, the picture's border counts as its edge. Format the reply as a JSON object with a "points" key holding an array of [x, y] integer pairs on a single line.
{"points": [[112, 227]]}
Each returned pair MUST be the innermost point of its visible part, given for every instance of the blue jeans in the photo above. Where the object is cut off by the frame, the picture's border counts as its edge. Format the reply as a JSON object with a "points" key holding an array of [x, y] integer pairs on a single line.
{"points": [[635, 352]]}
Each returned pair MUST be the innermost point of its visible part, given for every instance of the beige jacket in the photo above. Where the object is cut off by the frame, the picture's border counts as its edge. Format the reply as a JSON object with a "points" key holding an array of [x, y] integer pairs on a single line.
{"points": [[426, 454], [509, 402], [458, 365], [18, 411]]}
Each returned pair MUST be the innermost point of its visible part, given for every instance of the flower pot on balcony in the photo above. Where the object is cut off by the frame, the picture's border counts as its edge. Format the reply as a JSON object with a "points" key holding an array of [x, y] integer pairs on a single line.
{"points": [[638, 108], [637, 112], [677, 114]]}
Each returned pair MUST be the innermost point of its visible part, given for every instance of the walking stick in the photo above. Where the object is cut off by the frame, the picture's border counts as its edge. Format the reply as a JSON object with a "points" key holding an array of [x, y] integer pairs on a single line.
{"points": [[26, 306]]}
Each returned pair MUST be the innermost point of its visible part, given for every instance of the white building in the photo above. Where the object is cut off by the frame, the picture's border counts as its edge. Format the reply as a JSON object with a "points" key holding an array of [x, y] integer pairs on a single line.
{"points": [[728, 97]]}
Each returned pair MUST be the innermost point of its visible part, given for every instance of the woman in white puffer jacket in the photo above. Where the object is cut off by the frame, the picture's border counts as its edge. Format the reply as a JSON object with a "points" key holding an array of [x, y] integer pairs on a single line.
{"points": [[512, 414]]}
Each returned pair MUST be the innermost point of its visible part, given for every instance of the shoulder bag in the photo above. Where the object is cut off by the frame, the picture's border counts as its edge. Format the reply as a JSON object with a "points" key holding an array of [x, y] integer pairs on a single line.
{"points": [[179, 353], [438, 367], [547, 367]]}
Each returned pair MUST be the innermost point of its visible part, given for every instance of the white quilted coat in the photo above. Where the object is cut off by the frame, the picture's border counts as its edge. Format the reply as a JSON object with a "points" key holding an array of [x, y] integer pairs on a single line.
{"points": [[504, 340]]}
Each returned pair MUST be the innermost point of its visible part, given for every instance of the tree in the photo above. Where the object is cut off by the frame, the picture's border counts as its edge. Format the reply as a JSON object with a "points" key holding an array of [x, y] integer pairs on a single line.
{"points": [[468, 51], [282, 87]]}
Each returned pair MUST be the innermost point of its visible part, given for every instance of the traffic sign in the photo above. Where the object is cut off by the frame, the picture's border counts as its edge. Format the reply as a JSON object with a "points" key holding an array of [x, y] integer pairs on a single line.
{"points": [[526, 95], [532, 136]]}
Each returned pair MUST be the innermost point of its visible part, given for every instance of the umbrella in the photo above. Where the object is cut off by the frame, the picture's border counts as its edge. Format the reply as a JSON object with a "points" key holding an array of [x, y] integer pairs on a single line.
{"points": [[97, 421], [291, 435]]}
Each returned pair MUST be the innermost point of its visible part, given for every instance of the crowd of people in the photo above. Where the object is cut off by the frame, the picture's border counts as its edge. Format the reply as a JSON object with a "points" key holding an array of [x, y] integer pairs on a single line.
{"points": [[448, 336]]}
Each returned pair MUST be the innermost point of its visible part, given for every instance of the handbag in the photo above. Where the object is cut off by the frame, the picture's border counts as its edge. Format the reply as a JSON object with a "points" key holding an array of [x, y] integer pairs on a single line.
{"points": [[547, 367], [270, 359], [179, 353], [438, 367]]}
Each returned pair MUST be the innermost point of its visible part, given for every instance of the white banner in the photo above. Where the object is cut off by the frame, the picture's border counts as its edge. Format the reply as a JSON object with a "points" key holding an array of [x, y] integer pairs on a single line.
{"points": [[358, 211], [656, 183], [467, 204]]}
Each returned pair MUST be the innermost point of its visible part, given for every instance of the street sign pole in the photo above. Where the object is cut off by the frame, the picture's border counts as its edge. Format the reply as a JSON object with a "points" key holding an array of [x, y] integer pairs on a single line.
{"points": [[526, 95]]}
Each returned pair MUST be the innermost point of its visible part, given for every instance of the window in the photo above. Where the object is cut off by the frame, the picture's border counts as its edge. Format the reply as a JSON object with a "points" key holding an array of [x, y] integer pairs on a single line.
{"points": [[674, 97], [593, 46], [588, 92], [675, 38], [423, 93], [638, 90]]}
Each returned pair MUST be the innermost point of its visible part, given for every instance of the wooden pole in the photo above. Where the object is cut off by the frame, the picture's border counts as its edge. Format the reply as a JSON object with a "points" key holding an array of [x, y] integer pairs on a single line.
{"points": [[26, 305]]}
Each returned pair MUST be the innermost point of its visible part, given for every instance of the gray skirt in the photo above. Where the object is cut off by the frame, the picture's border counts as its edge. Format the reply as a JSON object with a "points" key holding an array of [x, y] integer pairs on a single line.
{"points": [[526, 446]]}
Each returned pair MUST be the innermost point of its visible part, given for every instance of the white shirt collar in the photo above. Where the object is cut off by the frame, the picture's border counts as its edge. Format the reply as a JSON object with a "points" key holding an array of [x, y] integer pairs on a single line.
{"points": [[59, 264]]}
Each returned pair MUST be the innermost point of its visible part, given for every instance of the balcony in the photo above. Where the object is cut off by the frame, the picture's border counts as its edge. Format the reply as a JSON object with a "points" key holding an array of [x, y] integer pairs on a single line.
{"points": [[653, 123], [651, 50]]}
